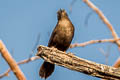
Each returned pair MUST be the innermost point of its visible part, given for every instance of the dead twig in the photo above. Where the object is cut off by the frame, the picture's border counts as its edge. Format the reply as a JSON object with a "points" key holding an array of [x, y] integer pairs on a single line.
{"points": [[19, 63], [104, 19], [92, 42]]}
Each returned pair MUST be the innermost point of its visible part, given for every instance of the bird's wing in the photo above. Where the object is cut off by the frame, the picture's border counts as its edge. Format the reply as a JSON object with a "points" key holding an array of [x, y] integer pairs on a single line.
{"points": [[51, 41]]}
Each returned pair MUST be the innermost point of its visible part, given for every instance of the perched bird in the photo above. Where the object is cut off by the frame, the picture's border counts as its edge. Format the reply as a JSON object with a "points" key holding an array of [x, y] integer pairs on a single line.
{"points": [[61, 38]]}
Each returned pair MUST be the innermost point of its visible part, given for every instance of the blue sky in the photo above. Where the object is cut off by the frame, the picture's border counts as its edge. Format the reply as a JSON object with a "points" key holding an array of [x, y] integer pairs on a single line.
{"points": [[21, 21]]}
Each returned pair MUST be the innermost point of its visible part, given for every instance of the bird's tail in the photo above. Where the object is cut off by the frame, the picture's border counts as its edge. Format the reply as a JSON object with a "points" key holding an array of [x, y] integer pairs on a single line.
{"points": [[46, 69]]}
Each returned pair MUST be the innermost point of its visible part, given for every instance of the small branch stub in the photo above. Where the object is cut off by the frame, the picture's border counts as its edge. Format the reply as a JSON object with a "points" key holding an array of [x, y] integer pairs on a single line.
{"points": [[75, 63]]}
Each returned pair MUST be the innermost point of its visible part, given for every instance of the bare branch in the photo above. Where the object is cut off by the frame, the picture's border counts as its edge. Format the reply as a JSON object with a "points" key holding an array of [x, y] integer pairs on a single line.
{"points": [[36, 44], [87, 18], [21, 62], [104, 19], [71, 5], [92, 42], [106, 54], [117, 63], [11, 62], [75, 63]]}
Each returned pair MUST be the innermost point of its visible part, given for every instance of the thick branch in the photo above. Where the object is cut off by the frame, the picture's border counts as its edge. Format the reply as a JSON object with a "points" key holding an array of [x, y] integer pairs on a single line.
{"points": [[104, 19], [116, 65], [11, 62], [73, 62]]}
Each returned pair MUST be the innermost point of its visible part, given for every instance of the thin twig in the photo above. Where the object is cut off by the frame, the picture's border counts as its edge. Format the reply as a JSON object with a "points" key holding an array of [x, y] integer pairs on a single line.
{"points": [[19, 63], [106, 54], [92, 42], [71, 5]]}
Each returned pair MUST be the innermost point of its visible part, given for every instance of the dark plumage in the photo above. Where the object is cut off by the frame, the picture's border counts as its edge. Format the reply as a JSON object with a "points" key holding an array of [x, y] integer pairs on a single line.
{"points": [[61, 38]]}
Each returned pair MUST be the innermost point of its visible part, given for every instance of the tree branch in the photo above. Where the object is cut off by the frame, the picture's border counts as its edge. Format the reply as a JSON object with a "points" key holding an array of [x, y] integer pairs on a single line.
{"points": [[104, 19], [93, 42], [11, 62], [75, 63], [21, 62], [117, 63]]}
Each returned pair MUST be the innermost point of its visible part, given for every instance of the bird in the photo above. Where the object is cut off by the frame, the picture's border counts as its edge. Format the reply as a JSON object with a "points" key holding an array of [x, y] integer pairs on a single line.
{"points": [[61, 38]]}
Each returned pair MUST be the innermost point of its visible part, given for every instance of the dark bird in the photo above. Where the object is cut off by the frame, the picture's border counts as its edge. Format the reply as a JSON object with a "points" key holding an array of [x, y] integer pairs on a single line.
{"points": [[61, 38]]}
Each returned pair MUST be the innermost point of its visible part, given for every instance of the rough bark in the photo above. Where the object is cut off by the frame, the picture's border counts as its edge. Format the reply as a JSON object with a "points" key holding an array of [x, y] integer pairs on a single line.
{"points": [[75, 63]]}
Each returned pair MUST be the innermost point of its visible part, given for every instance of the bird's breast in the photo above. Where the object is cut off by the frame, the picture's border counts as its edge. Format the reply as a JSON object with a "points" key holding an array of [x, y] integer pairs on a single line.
{"points": [[66, 28]]}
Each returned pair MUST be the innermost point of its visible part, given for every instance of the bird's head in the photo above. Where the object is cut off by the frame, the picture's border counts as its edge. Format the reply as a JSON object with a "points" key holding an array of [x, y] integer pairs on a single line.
{"points": [[61, 14]]}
